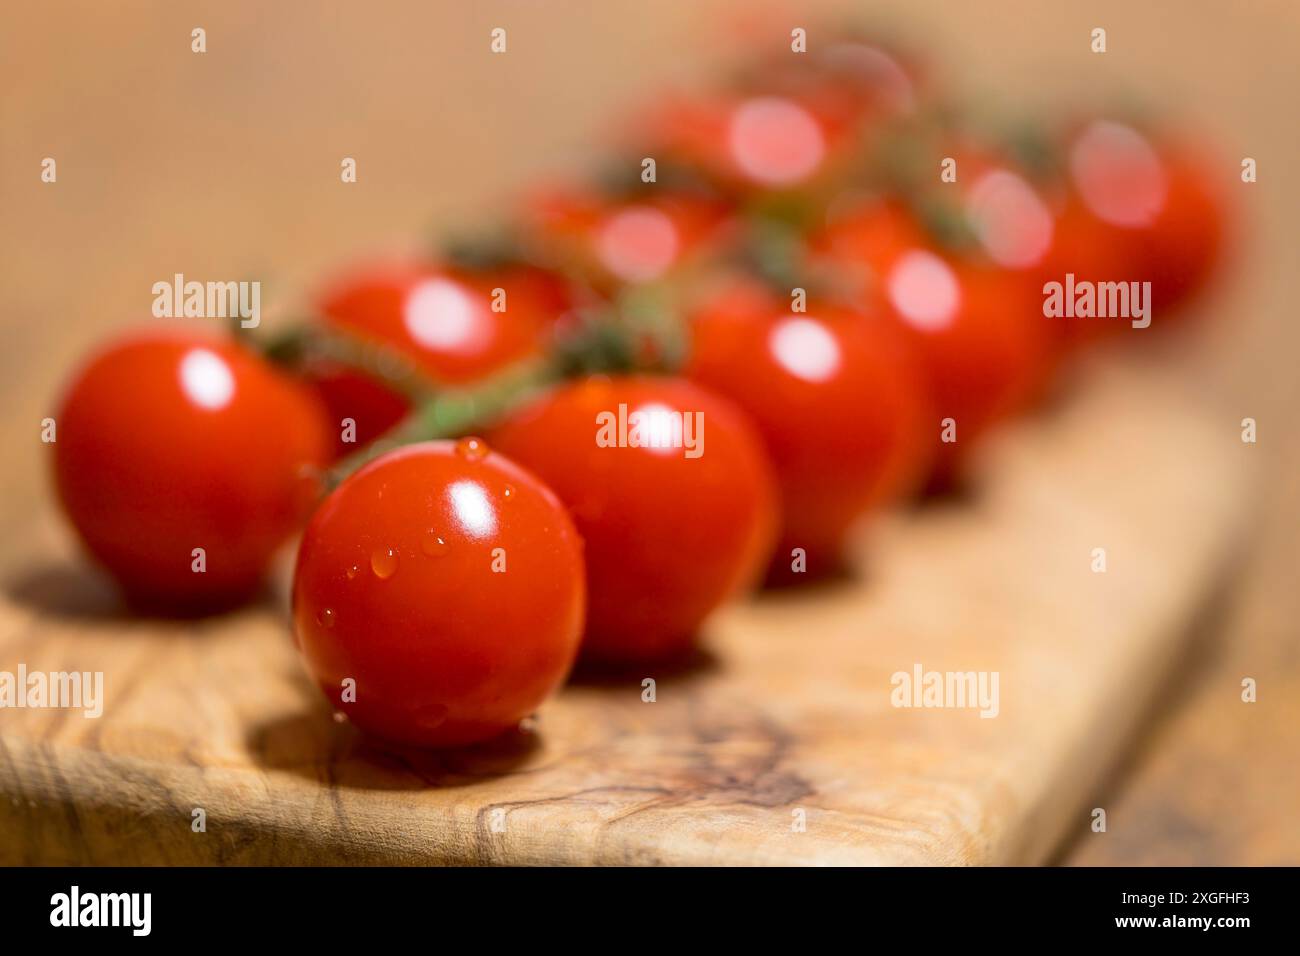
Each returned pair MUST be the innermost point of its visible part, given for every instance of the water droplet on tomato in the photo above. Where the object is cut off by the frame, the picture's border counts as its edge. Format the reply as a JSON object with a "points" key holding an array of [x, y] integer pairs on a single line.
{"points": [[509, 491], [326, 617], [433, 545], [384, 563], [354, 571], [472, 449]]}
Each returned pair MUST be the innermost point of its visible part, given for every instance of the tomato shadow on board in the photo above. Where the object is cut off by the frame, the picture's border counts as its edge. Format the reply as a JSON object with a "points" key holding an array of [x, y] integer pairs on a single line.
{"points": [[74, 591], [696, 663], [314, 745]]}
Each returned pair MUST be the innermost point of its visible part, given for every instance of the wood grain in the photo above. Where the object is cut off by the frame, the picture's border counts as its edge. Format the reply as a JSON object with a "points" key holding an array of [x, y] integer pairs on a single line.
{"points": [[788, 710]]}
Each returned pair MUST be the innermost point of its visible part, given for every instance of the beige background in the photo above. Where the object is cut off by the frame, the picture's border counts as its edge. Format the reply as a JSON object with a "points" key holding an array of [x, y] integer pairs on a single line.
{"points": [[226, 164]]}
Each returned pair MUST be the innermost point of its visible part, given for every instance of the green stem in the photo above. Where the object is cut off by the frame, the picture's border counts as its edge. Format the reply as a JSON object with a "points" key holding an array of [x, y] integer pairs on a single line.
{"points": [[304, 343], [454, 412]]}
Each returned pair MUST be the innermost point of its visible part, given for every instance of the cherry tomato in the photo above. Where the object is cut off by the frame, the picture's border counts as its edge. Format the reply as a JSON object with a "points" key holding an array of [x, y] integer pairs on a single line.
{"points": [[979, 330], [1138, 209], [442, 321], [839, 400], [677, 518], [749, 143], [172, 442], [446, 584], [625, 241]]}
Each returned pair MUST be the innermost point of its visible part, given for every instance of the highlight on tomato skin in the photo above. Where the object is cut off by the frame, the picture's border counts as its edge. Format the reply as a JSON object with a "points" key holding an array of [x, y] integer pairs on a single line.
{"points": [[439, 594], [670, 534], [450, 324], [184, 461], [839, 399]]}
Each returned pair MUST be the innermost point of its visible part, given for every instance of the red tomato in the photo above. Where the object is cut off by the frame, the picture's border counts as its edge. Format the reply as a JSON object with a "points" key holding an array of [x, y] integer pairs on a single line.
{"points": [[840, 403], [441, 321], [168, 442], [447, 584], [979, 331], [349, 394], [670, 534], [765, 142], [625, 241], [1138, 210]]}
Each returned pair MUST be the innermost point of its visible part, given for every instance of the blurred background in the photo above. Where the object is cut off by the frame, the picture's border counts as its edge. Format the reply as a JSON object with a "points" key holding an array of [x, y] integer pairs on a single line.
{"points": [[227, 164]]}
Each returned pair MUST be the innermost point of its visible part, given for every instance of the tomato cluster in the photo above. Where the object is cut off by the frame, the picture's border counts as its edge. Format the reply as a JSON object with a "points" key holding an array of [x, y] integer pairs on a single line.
{"points": [[807, 296]]}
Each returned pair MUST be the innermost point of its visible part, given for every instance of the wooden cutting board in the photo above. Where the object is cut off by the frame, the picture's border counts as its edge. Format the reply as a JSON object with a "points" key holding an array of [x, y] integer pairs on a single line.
{"points": [[780, 745]]}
